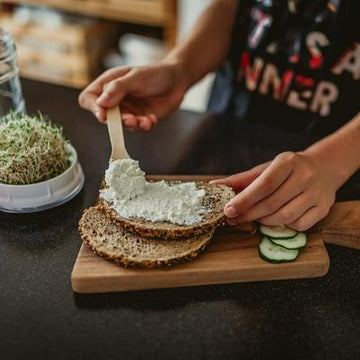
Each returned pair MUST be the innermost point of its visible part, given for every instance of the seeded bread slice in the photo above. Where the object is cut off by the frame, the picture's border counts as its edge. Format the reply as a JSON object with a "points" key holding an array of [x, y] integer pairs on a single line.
{"points": [[129, 250], [217, 195]]}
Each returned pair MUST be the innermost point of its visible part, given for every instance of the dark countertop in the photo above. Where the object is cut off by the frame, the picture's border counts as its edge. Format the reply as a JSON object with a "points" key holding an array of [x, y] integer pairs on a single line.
{"points": [[41, 317]]}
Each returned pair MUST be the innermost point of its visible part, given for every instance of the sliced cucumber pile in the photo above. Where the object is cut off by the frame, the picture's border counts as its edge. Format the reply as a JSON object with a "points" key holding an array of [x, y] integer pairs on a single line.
{"points": [[281, 244]]}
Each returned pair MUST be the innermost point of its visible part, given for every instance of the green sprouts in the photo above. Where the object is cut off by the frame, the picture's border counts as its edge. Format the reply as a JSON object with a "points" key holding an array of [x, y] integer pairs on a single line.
{"points": [[31, 149]]}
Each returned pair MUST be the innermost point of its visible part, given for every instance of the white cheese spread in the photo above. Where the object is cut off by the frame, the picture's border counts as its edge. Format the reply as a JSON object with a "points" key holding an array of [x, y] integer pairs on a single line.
{"points": [[131, 195]]}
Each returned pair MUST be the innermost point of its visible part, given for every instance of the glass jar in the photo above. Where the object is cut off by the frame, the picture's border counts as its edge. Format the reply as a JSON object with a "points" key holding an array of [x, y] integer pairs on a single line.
{"points": [[11, 98]]}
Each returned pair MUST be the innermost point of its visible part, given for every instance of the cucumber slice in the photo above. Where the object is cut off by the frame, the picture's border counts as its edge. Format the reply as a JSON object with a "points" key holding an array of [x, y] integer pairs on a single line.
{"points": [[278, 232], [297, 242], [275, 253]]}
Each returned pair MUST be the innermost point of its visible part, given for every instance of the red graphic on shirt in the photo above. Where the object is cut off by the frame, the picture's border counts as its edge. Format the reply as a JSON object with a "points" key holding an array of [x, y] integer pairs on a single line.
{"points": [[315, 42], [304, 81]]}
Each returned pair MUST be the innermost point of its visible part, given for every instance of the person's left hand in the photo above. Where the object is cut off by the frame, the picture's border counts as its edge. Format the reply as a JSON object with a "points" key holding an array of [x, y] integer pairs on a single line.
{"points": [[295, 189]]}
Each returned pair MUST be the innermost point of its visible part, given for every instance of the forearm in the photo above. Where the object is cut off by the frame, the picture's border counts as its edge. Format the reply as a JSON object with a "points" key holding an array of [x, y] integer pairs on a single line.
{"points": [[340, 151], [206, 46]]}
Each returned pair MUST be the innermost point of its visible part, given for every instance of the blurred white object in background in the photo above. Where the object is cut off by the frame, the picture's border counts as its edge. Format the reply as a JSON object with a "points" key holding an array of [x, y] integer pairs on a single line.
{"points": [[188, 13], [22, 15], [196, 99], [140, 50], [113, 59], [135, 50], [48, 18]]}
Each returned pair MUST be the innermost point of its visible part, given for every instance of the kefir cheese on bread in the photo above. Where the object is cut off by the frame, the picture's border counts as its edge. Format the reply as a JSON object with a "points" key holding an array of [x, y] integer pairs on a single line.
{"points": [[131, 196]]}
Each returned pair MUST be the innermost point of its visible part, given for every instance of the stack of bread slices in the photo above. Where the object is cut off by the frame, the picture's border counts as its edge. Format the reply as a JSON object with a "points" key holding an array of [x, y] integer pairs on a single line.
{"points": [[137, 242]]}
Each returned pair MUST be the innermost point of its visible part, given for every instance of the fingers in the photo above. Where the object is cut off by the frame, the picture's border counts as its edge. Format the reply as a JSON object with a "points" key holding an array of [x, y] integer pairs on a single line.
{"points": [[153, 118], [241, 180], [264, 185], [136, 116], [97, 85], [129, 121], [141, 93], [130, 111], [87, 100], [100, 114], [88, 97], [133, 122], [113, 92], [144, 122], [147, 122], [308, 219], [290, 211], [290, 189]]}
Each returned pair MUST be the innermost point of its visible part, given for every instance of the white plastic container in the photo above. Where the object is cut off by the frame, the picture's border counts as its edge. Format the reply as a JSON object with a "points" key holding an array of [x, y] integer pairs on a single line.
{"points": [[46, 194]]}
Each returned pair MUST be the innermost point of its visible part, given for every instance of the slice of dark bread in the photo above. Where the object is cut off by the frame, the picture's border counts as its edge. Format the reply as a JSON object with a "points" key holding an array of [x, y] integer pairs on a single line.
{"points": [[116, 244], [217, 195]]}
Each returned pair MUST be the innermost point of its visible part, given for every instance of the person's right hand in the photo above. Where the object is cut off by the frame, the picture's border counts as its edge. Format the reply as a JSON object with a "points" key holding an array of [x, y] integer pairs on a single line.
{"points": [[144, 94]]}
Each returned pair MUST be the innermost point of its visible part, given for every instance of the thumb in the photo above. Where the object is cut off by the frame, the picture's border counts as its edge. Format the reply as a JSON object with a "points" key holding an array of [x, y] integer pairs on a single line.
{"points": [[114, 92], [241, 180]]}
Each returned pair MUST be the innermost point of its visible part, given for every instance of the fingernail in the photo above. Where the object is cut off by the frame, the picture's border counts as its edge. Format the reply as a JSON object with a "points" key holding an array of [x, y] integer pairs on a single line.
{"points": [[230, 211], [97, 114]]}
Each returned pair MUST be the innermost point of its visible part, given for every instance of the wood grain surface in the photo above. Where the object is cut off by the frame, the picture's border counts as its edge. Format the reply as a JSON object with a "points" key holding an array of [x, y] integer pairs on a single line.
{"points": [[232, 257], [342, 225]]}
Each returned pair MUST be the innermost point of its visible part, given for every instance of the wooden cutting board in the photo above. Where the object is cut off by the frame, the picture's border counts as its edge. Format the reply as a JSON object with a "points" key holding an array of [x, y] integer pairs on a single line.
{"points": [[232, 257]]}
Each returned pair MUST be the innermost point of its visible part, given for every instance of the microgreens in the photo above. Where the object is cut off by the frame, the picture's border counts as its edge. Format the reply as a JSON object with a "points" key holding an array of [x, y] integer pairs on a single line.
{"points": [[32, 149]]}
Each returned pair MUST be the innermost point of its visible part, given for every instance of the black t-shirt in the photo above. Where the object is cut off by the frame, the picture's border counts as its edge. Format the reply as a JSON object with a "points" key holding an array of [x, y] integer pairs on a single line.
{"points": [[293, 64]]}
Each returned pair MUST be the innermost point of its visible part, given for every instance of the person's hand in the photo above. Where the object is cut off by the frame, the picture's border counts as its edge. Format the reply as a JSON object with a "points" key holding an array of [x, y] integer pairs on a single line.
{"points": [[295, 189], [144, 94]]}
